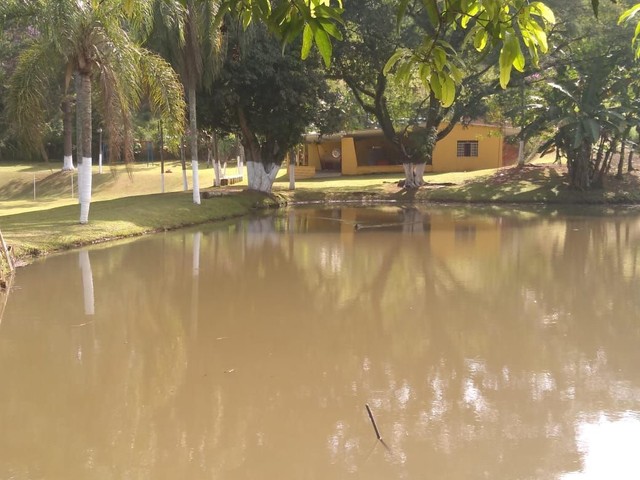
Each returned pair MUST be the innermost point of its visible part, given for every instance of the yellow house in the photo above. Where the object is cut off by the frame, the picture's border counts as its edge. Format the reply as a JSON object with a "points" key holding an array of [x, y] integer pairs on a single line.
{"points": [[467, 147]]}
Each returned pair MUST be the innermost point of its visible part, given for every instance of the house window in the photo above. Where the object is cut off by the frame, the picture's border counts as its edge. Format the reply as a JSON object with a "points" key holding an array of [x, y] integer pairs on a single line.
{"points": [[467, 148]]}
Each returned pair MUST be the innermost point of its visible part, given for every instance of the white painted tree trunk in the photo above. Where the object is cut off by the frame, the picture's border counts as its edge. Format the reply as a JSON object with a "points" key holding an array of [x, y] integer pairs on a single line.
{"points": [[67, 165], [194, 144], [196, 182], [84, 189], [413, 173], [259, 178], [67, 134], [84, 182], [87, 283], [162, 182], [217, 174], [78, 86]]}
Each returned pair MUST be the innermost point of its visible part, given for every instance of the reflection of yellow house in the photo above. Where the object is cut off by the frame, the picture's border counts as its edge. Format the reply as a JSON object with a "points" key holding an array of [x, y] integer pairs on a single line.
{"points": [[466, 147], [462, 239], [450, 238]]}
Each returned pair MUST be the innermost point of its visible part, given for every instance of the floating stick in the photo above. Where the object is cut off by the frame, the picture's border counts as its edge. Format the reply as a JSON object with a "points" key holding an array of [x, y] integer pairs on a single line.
{"points": [[373, 421]]}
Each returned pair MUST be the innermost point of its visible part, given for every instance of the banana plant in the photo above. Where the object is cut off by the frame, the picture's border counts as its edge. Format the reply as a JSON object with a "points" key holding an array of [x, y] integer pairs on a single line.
{"points": [[583, 121]]}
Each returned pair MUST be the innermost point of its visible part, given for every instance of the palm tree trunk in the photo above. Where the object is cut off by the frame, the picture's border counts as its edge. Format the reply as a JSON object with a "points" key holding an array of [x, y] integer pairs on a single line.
{"points": [[216, 161], [78, 87], [161, 159], [67, 132], [84, 109], [194, 144]]}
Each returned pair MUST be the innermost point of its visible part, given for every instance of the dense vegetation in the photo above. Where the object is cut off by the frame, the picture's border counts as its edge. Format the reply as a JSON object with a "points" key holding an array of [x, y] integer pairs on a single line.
{"points": [[266, 71]]}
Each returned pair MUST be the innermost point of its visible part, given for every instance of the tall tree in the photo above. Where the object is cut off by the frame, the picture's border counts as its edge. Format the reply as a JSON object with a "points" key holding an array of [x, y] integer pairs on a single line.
{"points": [[587, 106], [267, 95], [187, 34], [90, 39], [441, 48], [12, 40], [315, 20]]}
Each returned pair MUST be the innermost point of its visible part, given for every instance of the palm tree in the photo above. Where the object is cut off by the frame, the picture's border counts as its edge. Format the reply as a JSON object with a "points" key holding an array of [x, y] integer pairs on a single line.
{"points": [[90, 40], [187, 34]]}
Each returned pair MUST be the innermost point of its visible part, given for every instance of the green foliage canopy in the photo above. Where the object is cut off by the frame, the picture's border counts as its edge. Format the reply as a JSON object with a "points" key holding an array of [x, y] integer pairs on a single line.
{"points": [[518, 27], [267, 96], [315, 20]]}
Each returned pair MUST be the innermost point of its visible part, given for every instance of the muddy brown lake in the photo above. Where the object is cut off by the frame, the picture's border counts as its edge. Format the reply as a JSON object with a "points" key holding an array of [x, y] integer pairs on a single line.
{"points": [[488, 345]]}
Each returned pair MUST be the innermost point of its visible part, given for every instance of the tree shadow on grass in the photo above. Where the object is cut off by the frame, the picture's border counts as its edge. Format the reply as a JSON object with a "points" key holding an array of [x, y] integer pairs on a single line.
{"points": [[529, 184], [55, 184], [51, 186], [548, 184]]}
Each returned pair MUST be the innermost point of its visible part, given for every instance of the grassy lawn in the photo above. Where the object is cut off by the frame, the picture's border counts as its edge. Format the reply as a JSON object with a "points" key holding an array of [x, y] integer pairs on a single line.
{"points": [[124, 203], [128, 202], [54, 188]]}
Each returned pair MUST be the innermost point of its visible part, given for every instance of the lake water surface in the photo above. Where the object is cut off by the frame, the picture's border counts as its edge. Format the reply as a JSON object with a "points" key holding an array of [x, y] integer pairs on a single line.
{"points": [[487, 347]]}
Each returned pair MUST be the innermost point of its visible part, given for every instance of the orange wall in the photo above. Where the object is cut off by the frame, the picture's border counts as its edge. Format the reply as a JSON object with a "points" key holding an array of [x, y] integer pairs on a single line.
{"points": [[489, 138]]}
